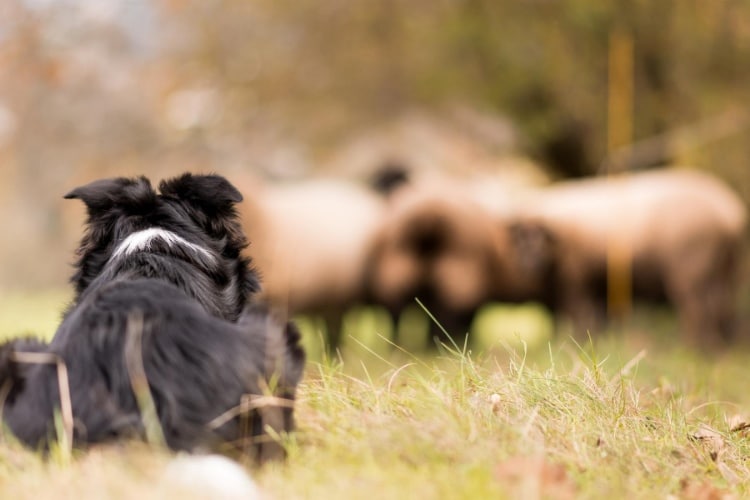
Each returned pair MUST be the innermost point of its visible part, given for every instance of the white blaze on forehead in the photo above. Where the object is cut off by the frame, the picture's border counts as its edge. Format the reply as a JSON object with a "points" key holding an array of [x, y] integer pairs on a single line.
{"points": [[141, 241]]}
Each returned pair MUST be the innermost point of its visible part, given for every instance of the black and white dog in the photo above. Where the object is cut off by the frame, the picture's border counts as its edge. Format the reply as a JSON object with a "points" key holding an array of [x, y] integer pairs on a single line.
{"points": [[162, 297]]}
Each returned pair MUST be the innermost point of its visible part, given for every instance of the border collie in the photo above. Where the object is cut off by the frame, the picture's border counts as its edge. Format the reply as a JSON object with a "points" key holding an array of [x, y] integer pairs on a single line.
{"points": [[162, 329]]}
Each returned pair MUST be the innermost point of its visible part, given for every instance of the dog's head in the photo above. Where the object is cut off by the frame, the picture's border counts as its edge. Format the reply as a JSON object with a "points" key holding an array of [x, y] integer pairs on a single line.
{"points": [[188, 233]]}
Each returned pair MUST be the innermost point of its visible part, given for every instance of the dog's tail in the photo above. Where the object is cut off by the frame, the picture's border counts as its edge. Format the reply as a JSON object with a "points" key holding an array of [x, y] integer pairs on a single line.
{"points": [[13, 373], [284, 361]]}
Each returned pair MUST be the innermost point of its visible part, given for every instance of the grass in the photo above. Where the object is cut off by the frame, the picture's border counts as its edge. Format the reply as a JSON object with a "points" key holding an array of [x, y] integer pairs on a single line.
{"points": [[631, 414]]}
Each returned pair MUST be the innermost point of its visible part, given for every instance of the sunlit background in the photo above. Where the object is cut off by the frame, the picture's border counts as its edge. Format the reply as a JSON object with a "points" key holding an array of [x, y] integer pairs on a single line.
{"points": [[264, 92]]}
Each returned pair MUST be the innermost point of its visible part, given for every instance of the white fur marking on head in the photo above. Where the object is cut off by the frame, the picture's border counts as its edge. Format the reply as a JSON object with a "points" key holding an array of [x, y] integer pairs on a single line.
{"points": [[141, 240]]}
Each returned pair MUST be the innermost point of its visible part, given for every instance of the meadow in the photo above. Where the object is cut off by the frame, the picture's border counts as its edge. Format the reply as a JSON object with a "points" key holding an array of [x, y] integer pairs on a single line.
{"points": [[518, 413]]}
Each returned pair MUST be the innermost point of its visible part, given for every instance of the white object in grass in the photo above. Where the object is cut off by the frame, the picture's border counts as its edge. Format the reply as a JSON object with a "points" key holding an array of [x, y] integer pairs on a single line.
{"points": [[212, 476]]}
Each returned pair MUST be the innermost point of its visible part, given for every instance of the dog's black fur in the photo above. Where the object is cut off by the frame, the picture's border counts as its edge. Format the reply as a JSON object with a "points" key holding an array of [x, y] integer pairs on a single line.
{"points": [[163, 272]]}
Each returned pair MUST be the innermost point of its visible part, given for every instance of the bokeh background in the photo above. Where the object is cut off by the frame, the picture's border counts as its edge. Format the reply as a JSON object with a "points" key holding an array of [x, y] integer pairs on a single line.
{"points": [[288, 90]]}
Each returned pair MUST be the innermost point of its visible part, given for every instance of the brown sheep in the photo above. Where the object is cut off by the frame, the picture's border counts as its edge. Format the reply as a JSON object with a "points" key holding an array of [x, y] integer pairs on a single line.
{"points": [[438, 246], [311, 240], [683, 230]]}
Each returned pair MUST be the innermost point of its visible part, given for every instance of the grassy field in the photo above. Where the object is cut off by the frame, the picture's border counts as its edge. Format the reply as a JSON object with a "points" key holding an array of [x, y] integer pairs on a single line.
{"points": [[521, 415]]}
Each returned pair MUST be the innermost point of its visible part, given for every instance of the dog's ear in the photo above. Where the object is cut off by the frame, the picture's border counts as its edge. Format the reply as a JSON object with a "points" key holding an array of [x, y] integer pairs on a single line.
{"points": [[209, 193], [213, 201], [102, 195]]}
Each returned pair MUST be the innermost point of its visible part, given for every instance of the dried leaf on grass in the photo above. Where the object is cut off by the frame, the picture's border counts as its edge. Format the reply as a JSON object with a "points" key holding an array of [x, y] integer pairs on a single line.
{"points": [[535, 477], [737, 423], [712, 440]]}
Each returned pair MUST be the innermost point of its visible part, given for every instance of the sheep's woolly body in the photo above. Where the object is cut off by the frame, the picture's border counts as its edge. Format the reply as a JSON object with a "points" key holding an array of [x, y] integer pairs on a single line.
{"points": [[677, 233], [311, 241], [643, 209]]}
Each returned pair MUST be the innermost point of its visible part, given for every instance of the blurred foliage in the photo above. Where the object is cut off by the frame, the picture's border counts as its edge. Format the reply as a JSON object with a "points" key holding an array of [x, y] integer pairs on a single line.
{"points": [[544, 62], [228, 68], [112, 87]]}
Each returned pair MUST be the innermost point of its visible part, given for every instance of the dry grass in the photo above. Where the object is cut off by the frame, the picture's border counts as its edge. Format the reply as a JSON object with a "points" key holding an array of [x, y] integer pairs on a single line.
{"points": [[629, 416], [459, 428]]}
